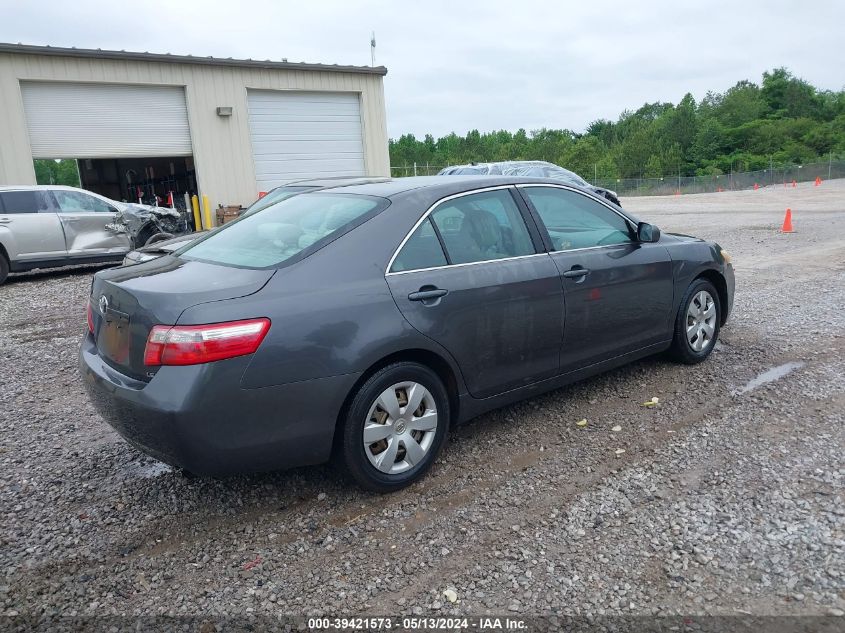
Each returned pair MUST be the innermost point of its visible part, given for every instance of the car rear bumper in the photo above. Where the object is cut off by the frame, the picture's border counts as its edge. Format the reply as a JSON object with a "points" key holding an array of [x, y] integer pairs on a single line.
{"points": [[198, 418]]}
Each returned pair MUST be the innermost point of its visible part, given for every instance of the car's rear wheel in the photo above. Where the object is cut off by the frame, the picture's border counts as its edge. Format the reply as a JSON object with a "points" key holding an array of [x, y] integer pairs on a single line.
{"points": [[395, 427], [697, 323]]}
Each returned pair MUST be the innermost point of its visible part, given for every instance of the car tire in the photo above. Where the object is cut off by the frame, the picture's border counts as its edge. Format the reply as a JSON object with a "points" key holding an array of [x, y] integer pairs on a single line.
{"points": [[406, 448], [146, 232], [697, 323], [158, 237], [4, 268]]}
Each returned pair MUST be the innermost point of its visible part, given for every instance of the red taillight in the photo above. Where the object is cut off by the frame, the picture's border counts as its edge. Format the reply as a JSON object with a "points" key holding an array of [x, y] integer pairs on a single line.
{"points": [[195, 344], [90, 318]]}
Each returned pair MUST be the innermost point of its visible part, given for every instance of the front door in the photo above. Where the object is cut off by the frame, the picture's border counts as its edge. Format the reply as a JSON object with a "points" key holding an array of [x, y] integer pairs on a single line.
{"points": [[84, 218], [34, 232], [489, 298], [618, 292]]}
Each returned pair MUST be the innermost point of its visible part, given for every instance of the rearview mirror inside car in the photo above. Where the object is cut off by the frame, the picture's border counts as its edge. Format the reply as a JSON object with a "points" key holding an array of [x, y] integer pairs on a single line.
{"points": [[647, 232]]}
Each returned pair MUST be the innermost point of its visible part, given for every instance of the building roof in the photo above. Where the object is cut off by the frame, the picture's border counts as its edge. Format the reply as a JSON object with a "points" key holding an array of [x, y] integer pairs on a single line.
{"points": [[28, 49]]}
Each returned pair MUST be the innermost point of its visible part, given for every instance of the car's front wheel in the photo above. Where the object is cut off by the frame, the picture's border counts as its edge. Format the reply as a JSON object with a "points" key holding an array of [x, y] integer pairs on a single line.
{"points": [[697, 323], [395, 427]]}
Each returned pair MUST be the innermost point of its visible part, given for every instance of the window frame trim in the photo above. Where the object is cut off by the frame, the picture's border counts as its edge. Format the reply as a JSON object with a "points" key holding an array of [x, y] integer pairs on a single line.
{"points": [[510, 188]]}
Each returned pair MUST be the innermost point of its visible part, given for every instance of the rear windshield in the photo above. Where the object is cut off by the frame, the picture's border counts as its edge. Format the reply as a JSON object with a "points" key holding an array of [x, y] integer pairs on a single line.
{"points": [[287, 230], [277, 195]]}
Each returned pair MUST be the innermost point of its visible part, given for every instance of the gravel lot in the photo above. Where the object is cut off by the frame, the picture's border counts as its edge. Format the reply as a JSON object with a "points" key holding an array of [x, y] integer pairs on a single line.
{"points": [[727, 499]]}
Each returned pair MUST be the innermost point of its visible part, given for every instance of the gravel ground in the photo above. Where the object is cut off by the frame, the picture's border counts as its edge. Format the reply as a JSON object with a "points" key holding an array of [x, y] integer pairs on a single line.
{"points": [[727, 499]]}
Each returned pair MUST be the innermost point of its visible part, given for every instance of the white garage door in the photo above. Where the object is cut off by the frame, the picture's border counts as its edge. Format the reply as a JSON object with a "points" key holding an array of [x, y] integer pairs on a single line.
{"points": [[71, 120], [297, 135]]}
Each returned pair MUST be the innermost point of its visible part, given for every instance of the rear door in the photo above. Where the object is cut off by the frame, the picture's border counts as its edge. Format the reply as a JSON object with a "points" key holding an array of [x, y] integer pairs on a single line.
{"points": [[84, 218], [618, 291], [471, 277], [30, 226]]}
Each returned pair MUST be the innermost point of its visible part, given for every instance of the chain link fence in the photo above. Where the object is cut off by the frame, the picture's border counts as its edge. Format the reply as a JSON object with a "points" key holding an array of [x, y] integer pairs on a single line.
{"points": [[669, 185]]}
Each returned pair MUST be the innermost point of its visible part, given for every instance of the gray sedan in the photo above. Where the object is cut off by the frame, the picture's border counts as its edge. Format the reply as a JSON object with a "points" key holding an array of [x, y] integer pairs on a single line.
{"points": [[363, 323]]}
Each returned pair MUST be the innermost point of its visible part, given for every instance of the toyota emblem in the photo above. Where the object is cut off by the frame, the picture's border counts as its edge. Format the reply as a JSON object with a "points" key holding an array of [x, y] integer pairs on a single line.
{"points": [[104, 304]]}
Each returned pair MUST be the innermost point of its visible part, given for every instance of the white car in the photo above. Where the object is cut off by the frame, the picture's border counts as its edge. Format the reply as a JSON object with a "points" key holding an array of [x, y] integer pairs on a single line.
{"points": [[46, 226]]}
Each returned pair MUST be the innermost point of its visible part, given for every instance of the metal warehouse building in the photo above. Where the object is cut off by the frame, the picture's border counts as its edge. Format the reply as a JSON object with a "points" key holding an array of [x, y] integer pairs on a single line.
{"points": [[225, 128]]}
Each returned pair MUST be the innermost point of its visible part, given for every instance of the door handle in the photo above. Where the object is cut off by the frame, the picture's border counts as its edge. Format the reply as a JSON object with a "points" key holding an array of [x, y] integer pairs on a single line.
{"points": [[425, 295], [5, 221], [574, 273]]}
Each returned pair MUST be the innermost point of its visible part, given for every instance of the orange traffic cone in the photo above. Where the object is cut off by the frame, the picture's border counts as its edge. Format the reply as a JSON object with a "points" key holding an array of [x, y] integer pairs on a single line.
{"points": [[719, 189], [793, 184], [818, 181], [677, 192], [756, 186], [787, 222]]}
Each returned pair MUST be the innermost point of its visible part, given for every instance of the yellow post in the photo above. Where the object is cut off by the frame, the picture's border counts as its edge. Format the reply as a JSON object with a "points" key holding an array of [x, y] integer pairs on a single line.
{"points": [[195, 204], [206, 208]]}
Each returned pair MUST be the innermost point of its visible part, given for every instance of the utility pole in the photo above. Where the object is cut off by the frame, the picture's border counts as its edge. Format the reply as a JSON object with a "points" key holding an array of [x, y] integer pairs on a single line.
{"points": [[373, 49], [829, 163], [596, 172], [771, 170]]}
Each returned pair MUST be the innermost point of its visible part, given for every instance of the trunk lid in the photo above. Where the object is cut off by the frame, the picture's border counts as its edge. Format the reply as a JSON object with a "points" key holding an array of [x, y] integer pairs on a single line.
{"points": [[127, 302]]}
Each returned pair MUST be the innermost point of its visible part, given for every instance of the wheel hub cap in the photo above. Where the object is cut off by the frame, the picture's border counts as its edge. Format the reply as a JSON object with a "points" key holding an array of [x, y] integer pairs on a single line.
{"points": [[400, 427], [701, 321]]}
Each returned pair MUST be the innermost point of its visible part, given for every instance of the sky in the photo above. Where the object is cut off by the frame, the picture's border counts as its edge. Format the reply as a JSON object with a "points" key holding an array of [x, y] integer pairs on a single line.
{"points": [[462, 65]]}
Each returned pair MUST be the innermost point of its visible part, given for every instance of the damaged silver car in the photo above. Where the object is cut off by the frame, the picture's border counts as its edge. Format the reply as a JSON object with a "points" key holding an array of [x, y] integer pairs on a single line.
{"points": [[52, 226], [146, 225]]}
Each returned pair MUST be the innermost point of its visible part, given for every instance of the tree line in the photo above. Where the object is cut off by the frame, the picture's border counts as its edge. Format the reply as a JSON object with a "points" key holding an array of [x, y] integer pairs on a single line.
{"points": [[782, 121]]}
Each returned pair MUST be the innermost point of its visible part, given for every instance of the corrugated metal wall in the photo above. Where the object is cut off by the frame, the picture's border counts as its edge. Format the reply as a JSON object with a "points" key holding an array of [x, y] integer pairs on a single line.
{"points": [[221, 145], [84, 120]]}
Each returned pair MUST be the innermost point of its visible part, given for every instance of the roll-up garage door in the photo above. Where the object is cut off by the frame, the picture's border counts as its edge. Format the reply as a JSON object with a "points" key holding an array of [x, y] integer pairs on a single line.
{"points": [[298, 135], [80, 120]]}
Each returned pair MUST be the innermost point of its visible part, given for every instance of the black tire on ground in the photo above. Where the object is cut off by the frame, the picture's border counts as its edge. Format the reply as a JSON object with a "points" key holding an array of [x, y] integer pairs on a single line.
{"points": [[4, 268], [352, 455], [682, 350]]}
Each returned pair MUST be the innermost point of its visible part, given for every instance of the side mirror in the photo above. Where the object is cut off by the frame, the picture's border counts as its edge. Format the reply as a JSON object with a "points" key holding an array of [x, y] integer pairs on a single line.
{"points": [[647, 232]]}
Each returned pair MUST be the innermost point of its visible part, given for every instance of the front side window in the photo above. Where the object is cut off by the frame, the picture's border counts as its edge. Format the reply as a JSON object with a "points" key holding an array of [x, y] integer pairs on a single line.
{"points": [[31, 201], [575, 221], [271, 236], [76, 202], [481, 227]]}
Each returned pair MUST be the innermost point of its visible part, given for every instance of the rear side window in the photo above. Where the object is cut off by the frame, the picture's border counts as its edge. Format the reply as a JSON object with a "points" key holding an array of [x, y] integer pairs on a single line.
{"points": [[482, 227], [574, 220], [298, 225], [422, 250], [24, 201]]}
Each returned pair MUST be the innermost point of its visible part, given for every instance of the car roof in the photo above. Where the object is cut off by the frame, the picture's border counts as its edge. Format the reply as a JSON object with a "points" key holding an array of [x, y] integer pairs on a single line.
{"points": [[442, 185], [429, 189], [331, 182]]}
